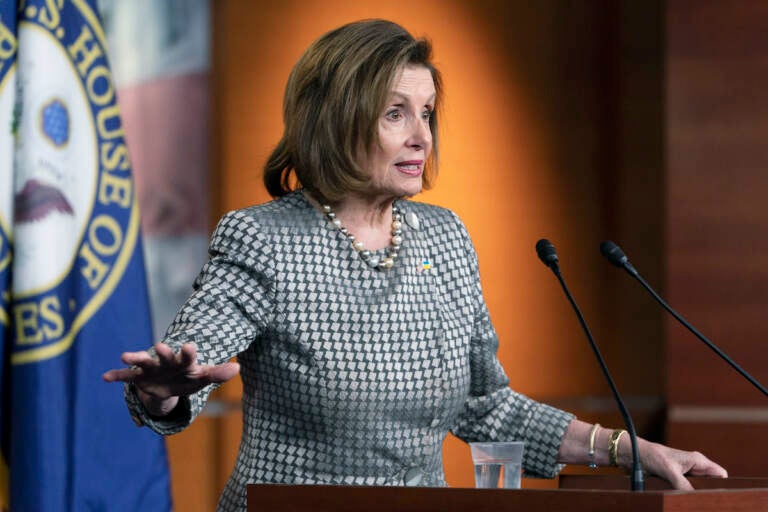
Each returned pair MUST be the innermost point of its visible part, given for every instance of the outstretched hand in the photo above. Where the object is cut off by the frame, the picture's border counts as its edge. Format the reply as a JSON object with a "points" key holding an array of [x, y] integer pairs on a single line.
{"points": [[161, 379]]}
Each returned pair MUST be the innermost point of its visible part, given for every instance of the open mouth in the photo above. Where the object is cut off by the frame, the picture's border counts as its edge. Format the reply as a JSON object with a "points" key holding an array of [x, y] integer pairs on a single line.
{"points": [[410, 167], [36, 200]]}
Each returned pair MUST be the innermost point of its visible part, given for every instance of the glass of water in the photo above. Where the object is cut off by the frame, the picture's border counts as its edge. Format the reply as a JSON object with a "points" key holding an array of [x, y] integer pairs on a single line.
{"points": [[497, 465]]}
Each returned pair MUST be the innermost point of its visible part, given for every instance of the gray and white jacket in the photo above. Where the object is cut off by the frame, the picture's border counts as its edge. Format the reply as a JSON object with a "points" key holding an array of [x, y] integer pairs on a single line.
{"points": [[351, 375]]}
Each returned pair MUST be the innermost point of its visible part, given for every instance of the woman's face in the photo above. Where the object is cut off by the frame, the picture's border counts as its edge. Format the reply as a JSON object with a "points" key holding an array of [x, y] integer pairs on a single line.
{"points": [[396, 163]]}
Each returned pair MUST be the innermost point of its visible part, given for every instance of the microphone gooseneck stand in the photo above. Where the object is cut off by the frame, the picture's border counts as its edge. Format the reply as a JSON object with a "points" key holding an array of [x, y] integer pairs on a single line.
{"points": [[616, 256], [548, 255]]}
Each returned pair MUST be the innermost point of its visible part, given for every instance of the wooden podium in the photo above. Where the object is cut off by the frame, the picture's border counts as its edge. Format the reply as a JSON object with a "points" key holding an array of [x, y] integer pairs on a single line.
{"points": [[576, 494]]}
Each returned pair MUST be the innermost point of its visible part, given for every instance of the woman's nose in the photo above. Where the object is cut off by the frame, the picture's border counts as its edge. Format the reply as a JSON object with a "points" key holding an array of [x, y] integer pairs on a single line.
{"points": [[421, 135]]}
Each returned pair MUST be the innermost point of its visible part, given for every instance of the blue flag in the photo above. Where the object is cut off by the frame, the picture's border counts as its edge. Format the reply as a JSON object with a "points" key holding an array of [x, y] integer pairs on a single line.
{"points": [[7, 91], [74, 291]]}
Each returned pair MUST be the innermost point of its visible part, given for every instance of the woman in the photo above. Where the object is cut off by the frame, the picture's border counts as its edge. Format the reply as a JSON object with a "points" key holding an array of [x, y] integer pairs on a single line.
{"points": [[356, 315]]}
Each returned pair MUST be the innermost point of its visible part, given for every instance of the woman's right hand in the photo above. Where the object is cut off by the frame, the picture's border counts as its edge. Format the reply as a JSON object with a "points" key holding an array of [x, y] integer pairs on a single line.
{"points": [[161, 379]]}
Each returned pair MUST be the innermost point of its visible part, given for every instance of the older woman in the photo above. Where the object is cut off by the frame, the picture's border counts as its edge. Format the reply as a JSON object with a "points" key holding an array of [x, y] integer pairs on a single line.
{"points": [[356, 315]]}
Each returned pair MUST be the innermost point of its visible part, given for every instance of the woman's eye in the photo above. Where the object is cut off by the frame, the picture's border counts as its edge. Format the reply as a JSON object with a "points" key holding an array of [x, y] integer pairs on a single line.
{"points": [[394, 115], [426, 115]]}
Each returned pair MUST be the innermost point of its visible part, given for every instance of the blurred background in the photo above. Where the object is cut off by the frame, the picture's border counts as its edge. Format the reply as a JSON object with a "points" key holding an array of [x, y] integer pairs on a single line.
{"points": [[578, 121]]}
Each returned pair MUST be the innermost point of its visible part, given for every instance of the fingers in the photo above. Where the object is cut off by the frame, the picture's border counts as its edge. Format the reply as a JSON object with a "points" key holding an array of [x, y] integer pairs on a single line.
{"points": [[138, 358], [222, 372], [673, 465], [120, 375], [702, 466], [165, 354], [717, 471], [697, 465], [167, 373], [143, 361], [679, 482], [186, 357], [188, 354]]}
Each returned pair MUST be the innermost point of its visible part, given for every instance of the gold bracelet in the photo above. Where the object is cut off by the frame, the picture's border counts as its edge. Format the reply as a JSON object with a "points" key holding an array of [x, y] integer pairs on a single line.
{"points": [[613, 447], [592, 435]]}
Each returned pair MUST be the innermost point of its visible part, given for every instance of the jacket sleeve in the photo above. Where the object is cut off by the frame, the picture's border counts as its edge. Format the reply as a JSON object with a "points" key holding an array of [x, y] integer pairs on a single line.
{"points": [[231, 305], [493, 411]]}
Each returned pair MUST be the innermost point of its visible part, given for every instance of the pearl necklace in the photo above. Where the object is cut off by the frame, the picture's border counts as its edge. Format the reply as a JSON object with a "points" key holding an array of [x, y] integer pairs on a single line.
{"points": [[368, 257]]}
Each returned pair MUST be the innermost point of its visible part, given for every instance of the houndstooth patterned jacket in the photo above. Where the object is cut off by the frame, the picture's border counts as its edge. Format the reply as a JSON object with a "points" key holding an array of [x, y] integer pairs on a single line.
{"points": [[351, 375]]}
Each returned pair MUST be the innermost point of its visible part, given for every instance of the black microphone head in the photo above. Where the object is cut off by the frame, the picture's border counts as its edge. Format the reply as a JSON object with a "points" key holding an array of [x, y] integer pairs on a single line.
{"points": [[614, 254], [547, 253]]}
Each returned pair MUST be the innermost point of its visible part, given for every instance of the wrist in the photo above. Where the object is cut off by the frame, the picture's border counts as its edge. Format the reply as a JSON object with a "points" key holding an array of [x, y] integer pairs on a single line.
{"points": [[624, 457], [603, 442]]}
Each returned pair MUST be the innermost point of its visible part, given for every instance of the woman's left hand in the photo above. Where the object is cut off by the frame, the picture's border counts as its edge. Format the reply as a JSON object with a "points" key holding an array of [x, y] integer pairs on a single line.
{"points": [[657, 459], [672, 464]]}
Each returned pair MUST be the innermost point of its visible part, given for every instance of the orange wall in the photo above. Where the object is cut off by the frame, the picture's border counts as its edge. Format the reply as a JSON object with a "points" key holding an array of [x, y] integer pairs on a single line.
{"points": [[529, 149]]}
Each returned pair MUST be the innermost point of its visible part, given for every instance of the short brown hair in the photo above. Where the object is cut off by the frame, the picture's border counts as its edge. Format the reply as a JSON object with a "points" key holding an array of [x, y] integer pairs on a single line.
{"points": [[333, 99]]}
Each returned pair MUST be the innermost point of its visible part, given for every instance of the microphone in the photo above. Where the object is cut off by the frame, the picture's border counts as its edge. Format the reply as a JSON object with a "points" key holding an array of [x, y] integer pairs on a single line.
{"points": [[616, 256], [548, 256]]}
